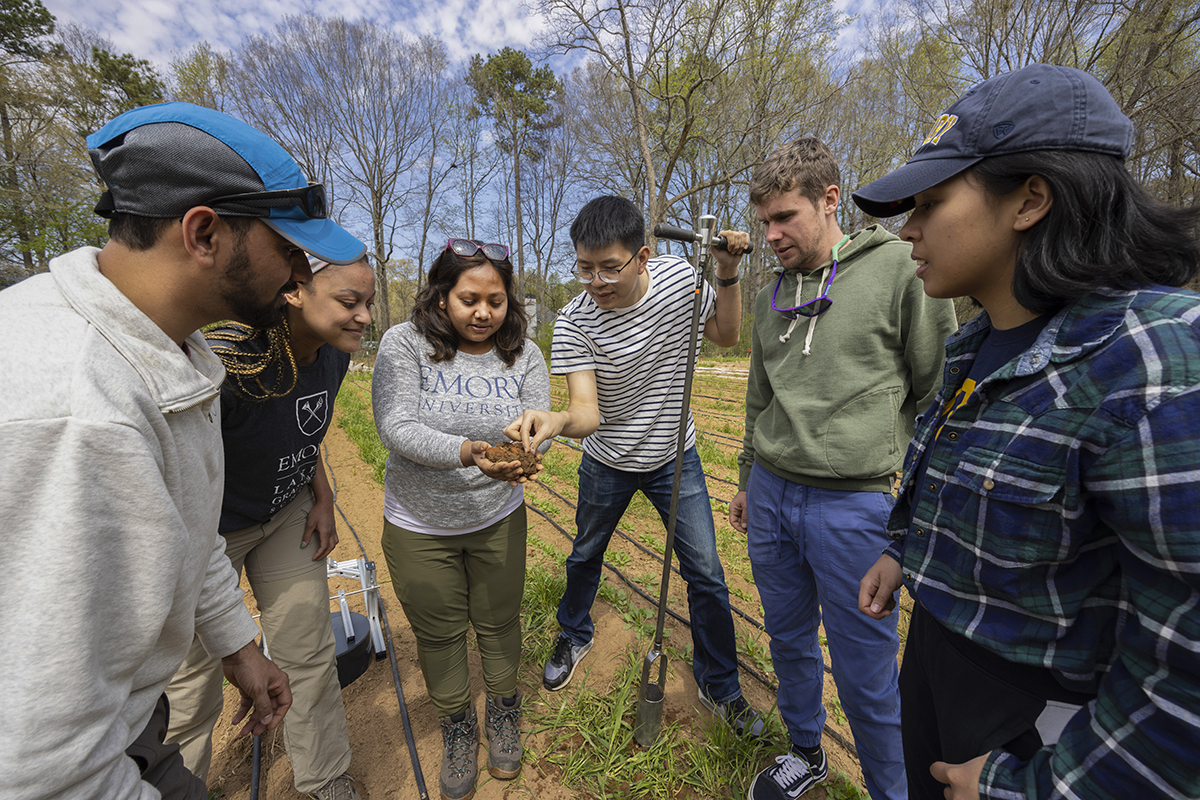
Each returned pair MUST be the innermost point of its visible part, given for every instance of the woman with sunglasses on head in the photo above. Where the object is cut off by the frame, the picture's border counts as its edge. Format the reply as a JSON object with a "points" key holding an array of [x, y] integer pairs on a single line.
{"points": [[1047, 522], [277, 518], [446, 384]]}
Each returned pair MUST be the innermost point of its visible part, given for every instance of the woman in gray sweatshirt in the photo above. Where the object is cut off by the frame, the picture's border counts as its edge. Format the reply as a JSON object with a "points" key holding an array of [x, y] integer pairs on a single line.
{"points": [[446, 384]]}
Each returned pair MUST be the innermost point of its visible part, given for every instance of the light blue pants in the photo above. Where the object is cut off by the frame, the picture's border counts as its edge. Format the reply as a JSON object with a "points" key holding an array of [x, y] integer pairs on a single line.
{"points": [[809, 548]]}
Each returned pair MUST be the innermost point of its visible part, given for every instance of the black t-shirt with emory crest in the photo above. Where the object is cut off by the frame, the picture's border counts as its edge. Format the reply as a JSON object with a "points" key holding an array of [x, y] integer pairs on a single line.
{"points": [[272, 447]]}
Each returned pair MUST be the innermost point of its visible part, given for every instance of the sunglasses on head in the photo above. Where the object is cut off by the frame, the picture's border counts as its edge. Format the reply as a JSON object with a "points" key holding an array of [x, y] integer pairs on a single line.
{"points": [[310, 199], [469, 247]]}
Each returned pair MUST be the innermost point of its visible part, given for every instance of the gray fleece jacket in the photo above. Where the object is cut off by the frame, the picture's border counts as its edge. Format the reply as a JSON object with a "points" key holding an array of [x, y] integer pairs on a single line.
{"points": [[424, 410], [110, 491]]}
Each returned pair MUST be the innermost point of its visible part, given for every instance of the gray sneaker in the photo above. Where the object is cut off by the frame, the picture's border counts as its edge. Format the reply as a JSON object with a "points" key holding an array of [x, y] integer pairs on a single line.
{"points": [[562, 664], [738, 714], [503, 736], [460, 746], [340, 788]]}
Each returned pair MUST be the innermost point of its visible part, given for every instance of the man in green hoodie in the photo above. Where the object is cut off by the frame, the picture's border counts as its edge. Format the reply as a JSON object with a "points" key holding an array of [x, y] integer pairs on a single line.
{"points": [[847, 350]]}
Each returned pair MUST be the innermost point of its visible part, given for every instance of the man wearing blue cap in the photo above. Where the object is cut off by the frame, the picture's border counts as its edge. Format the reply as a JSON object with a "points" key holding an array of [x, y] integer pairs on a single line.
{"points": [[111, 473]]}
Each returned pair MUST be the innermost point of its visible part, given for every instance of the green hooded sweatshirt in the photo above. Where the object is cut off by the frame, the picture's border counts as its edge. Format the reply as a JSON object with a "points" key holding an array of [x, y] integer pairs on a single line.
{"points": [[832, 400]]}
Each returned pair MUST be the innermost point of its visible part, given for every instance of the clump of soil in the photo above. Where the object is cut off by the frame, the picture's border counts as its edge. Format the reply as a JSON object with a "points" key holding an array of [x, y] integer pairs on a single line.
{"points": [[512, 451]]}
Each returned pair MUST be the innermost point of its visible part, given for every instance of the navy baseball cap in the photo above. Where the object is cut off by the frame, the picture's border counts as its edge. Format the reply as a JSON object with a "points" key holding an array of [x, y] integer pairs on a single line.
{"points": [[1038, 107], [162, 160]]}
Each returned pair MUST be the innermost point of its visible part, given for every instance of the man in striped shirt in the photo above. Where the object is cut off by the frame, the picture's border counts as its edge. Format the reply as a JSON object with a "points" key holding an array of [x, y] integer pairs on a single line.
{"points": [[623, 346]]}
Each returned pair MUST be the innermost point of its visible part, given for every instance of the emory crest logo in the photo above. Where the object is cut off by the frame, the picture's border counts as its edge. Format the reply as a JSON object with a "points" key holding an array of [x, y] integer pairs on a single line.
{"points": [[312, 412]]}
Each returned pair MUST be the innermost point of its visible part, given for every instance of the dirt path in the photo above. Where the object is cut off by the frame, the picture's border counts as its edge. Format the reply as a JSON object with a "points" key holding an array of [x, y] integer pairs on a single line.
{"points": [[381, 762]]}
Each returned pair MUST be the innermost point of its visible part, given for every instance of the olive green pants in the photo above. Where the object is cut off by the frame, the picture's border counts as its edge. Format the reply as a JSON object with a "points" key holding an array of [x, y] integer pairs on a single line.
{"points": [[446, 582]]}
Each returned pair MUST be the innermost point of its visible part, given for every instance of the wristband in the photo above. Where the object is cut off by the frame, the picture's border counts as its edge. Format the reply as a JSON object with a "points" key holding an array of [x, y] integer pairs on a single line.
{"points": [[727, 281]]}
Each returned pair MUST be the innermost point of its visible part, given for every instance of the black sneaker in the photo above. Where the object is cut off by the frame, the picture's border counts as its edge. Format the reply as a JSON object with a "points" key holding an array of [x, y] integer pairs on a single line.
{"points": [[789, 777], [739, 715], [562, 664]]}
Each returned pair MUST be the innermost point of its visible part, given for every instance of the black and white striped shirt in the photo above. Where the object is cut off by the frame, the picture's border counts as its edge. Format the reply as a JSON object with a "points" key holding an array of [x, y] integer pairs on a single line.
{"points": [[639, 355]]}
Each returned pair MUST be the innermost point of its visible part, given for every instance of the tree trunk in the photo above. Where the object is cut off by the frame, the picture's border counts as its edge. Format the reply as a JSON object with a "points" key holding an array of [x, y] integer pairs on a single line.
{"points": [[653, 213], [19, 220], [517, 201]]}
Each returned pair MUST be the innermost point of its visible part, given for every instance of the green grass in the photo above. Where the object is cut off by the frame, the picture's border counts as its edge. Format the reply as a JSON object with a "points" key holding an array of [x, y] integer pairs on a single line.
{"points": [[591, 744], [539, 628], [359, 424]]}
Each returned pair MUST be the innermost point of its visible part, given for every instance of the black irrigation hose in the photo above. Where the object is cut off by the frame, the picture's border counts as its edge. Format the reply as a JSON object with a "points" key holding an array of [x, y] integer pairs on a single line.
{"points": [[255, 766], [754, 673], [422, 792], [658, 557], [569, 444], [842, 740]]}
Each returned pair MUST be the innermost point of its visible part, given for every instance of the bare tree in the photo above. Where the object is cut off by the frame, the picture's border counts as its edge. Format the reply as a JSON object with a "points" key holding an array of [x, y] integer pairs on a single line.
{"points": [[699, 75], [1146, 52], [346, 99]]}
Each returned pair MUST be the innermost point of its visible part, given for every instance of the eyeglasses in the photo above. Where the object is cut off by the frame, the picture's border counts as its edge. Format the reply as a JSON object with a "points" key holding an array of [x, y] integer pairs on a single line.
{"points": [[819, 304], [607, 275], [310, 199], [469, 247]]}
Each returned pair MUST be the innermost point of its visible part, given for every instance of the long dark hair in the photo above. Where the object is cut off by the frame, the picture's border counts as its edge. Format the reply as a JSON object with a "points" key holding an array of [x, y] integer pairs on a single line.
{"points": [[1103, 229], [434, 323]]}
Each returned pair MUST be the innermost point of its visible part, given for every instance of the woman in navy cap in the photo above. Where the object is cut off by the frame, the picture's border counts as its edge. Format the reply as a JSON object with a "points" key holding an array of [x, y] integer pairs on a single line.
{"points": [[1047, 523]]}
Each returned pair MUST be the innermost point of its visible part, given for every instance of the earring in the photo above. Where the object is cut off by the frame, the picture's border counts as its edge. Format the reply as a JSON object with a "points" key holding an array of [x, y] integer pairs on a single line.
{"points": [[441, 303], [1027, 219]]}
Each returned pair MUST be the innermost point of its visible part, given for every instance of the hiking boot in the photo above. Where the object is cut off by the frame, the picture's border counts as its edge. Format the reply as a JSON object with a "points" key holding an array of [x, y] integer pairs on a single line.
{"points": [[562, 664], [503, 735], [790, 776], [737, 713], [340, 788], [460, 746]]}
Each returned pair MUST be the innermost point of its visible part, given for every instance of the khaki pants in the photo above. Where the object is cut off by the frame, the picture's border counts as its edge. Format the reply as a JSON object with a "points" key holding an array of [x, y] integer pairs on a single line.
{"points": [[292, 593], [444, 584]]}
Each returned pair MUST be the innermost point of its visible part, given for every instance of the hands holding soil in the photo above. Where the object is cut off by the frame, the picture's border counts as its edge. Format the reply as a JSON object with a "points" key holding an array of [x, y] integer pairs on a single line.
{"points": [[508, 461]]}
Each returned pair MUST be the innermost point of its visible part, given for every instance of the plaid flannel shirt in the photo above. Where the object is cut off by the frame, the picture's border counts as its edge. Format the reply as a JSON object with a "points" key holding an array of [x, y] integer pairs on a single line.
{"points": [[1058, 525]]}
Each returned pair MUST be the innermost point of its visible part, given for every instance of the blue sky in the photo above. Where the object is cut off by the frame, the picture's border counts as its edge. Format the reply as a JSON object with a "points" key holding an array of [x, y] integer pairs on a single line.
{"points": [[158, 30]]}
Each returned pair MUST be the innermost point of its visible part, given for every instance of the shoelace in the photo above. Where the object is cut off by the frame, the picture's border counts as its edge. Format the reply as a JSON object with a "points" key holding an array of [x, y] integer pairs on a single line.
{"points": [[562, 651], [459, 736], [792, 768], [504, 720]]}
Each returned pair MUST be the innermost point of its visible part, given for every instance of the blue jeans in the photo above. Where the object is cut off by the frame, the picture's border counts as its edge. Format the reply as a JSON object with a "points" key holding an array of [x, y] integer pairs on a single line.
{"points": [[809, 548], [604, 494]]}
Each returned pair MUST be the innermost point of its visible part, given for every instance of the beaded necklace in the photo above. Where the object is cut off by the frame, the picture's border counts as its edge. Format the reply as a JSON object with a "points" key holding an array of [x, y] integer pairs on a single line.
{"points": [[253, 375]]}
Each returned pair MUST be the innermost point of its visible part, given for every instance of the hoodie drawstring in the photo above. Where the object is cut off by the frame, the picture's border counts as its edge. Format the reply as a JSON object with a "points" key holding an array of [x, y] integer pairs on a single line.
{"points": [[812, 321]]}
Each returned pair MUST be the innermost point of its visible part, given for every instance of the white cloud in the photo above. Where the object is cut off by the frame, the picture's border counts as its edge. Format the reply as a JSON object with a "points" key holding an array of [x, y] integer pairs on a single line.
{"points": [[158, 30]]}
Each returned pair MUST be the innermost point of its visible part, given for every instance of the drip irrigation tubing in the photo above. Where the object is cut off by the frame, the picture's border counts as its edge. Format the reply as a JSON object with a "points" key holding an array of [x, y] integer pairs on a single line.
{"points": [[656, 556], [569, 444], [422, 792], [754, 673], [696, 413]]}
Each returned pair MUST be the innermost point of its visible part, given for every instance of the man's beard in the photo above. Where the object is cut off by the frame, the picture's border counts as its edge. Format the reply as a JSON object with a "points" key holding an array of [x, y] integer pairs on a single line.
{"points": [[238, 291]]}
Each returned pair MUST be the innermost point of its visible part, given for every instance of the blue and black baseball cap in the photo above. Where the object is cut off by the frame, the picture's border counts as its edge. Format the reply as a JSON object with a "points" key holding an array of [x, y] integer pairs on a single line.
{"points": [[162, 160], [1038, 107]]}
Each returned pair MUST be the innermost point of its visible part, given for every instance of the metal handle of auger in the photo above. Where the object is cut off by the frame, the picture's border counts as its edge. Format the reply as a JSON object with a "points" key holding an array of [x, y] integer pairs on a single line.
{"points": [[650, 698]]}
